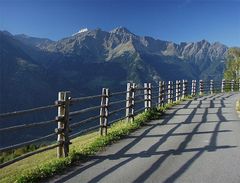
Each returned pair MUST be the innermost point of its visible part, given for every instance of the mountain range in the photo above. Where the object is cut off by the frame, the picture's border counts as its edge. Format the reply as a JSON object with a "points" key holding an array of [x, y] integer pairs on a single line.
{"points": [[34, 69]]}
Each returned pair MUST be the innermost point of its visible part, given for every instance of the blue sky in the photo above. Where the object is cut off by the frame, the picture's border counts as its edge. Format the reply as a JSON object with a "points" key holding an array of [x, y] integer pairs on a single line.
{"points": [[173, 20]]}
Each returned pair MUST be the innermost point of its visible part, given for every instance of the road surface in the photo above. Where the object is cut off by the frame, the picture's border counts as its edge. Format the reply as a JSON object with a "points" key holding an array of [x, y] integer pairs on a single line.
{"points": [[195, 142]]}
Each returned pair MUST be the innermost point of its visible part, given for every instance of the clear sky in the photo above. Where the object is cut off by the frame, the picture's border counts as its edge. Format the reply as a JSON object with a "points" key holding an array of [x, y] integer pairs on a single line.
{"points": [[173, 20]]}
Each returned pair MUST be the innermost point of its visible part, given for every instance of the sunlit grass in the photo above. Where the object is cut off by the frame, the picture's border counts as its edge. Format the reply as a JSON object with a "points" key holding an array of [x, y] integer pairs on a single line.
{"points": [[45, 164], [238, 105], [11, 172]]}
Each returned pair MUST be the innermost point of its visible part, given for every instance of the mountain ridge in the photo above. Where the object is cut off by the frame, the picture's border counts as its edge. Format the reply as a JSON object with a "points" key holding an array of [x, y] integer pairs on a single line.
{"points": [[124, 31], [33, 70], [136, 58]]}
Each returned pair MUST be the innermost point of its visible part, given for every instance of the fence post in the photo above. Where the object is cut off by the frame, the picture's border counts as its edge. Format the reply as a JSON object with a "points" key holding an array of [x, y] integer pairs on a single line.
{"points": [[195, 87], [133, 101], [104, 111], [169, 92], [232, 85], [146, 96], [149, 95], [201, 89], [211, 86], [184, 89], [160, 94], [107, 93], [223, 85], [163, 93], [192, 90], [128, 100], [63, 124], [177, 90]]}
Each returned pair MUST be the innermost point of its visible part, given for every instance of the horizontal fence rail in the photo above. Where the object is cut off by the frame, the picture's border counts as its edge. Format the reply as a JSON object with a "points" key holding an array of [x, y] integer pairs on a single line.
{"points": [[116, 106]]}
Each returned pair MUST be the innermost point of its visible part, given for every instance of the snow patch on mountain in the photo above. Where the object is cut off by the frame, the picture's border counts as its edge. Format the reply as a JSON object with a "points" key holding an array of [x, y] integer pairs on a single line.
{"points": [[81, 31]]}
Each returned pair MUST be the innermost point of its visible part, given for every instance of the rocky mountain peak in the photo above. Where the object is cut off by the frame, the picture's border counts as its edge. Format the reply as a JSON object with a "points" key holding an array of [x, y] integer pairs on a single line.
{"points": [[121, 30]]}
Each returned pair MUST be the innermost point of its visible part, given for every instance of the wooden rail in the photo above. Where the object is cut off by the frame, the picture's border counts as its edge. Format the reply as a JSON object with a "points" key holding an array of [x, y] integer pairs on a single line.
{"points": [[137, 99]]}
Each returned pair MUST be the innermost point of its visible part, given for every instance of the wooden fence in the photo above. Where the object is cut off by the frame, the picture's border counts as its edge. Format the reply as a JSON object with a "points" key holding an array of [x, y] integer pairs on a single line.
{"points": [[137, 99]]}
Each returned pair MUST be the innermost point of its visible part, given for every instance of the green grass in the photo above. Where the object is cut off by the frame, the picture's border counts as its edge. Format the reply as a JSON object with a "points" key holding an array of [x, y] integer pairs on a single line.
{"points": [[238, 105], [44, 165], [12, 154]]}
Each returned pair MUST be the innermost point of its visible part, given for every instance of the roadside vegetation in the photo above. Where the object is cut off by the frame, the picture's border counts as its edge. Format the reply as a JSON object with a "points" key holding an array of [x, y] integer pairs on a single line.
{"points": [[41, 166], [11, 154], [238, 106], [232, 71]]}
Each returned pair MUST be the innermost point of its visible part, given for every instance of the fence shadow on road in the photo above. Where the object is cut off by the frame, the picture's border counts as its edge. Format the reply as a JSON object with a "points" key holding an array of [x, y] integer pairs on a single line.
{"points": [[163, 155]]}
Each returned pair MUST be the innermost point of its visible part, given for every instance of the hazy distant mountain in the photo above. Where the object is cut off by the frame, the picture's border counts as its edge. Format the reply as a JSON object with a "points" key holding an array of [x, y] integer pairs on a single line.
{"points": [[21, 78], [33, 41]]}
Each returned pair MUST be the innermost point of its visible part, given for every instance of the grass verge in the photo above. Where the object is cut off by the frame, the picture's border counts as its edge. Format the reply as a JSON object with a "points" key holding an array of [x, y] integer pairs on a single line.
{"points": [[44, 165], [238, 106]]}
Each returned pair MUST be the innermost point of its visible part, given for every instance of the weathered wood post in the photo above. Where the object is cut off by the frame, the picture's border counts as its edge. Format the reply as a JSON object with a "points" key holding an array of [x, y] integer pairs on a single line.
{"points": [[201, 87], [160, 93], [223, 85], [107, 92], [211, 86], [169, 92], [147, 96], [133, 101], [104, 111], [195, 87], [130, 101], [232, 85], [172, 92], [184, 89], [192, 89], [63, 124], [164, 90], [177, 90]]}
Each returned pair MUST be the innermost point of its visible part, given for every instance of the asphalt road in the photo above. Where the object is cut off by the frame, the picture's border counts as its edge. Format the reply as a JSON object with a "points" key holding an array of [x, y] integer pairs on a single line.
{"points": [[196, 142]]}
